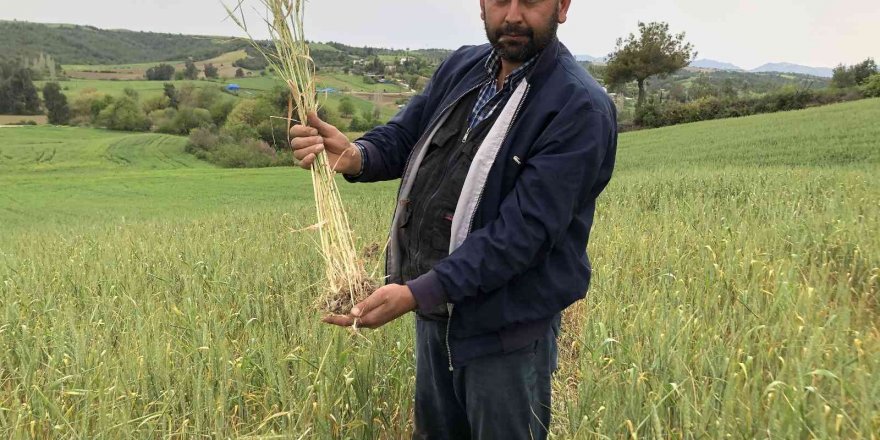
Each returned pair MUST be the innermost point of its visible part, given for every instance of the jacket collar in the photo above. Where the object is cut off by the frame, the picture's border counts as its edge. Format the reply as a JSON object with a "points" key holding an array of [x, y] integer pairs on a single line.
{"points": [[546, 61], [544, 64]]}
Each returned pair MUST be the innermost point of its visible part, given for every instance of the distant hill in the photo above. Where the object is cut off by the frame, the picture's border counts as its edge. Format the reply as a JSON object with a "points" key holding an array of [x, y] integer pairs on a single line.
{"points": [[712, 64], [74, 44], [823, 72], [589, 59]]}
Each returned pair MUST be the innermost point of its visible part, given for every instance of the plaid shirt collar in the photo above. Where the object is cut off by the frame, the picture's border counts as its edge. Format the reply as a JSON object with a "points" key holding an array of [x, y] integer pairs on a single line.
{"points": [[490, 98], [493, 65]]}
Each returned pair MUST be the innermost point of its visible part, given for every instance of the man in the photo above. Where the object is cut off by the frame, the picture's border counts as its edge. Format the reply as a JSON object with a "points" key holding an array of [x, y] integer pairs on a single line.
{"points": [[502, 158]]}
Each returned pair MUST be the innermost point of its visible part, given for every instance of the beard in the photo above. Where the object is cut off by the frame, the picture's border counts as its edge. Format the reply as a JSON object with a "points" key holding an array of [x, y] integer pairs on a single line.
{"points": [[518, 51]]}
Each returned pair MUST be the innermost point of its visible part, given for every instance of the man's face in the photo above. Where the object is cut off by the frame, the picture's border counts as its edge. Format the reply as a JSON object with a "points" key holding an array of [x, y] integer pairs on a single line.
{"points": [[519, 29]]}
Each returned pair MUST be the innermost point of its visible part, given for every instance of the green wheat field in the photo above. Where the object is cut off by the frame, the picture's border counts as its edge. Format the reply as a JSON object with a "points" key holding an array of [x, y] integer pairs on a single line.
{"points": [[146, 294]]}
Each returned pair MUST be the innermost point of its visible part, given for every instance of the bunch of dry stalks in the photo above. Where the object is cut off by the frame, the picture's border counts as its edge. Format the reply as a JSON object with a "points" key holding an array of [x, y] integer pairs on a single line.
{"points": [[347, 280]]}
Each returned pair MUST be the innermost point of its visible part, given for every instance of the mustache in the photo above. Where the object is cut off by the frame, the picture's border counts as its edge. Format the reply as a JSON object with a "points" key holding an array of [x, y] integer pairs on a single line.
{"points": [[514, 31]]}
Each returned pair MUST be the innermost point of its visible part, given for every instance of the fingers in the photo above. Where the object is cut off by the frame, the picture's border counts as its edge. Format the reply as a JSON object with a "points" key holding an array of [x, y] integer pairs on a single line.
{"points": [[314, 149], [304, 142], [316, 122], [340, 320], [373, 301], [306, 162], [302, 130], [376, 317]]}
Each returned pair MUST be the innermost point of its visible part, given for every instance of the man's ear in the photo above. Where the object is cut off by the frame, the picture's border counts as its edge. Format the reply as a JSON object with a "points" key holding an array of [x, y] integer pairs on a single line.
{"points": [[482, 10], [563, 11]]}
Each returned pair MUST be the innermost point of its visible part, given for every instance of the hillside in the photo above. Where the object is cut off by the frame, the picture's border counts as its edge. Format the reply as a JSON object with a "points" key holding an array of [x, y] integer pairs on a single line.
{"points": [[822, 72], [712, 64], [75, 44], [834, 135], [42, 149]]}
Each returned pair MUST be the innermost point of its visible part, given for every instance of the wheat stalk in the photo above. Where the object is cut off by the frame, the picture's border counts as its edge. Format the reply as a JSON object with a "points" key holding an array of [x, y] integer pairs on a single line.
{"points": [[347, 281]]}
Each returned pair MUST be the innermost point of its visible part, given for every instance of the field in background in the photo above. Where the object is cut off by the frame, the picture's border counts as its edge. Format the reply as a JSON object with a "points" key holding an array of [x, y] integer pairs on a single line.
{"points": [[364, 96], [14, 119], [223, 63], [735, 291]]}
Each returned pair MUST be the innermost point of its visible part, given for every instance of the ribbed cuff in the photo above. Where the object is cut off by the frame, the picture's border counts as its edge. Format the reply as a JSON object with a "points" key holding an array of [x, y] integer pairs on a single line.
{"points": [[363, 153], [427, 291]]}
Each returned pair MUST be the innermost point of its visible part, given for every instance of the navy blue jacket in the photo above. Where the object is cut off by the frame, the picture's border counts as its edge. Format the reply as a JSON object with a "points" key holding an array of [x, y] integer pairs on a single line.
{"points": [[518, 247]]}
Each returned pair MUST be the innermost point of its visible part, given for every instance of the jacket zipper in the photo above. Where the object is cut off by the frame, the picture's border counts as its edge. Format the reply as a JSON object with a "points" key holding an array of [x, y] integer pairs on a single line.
{"points": [[450, 306]]}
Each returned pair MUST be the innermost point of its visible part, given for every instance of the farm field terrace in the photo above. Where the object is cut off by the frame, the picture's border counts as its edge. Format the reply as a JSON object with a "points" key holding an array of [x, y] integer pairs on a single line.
{"points": [[735, 291]]}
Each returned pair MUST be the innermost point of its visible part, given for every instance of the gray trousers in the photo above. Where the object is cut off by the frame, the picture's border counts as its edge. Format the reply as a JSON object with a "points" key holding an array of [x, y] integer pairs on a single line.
{"points": [[504, 396]]}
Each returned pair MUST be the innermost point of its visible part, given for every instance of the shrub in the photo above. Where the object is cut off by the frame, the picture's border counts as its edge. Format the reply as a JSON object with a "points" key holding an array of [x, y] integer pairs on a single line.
{"points": [[652, 114], [86, 106], [162, 72], [182, 120], [251, 112], [240, 131], [871, 87], [203, 142], [124, 114], [221, 109], [154, 103], [247, 154], [189, 118], [161, 119], [274, 133], [188, 95]]}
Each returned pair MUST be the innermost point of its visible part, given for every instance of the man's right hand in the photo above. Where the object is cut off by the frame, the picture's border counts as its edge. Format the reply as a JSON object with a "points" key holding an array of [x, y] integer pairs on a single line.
{"points": [[309, 141]]}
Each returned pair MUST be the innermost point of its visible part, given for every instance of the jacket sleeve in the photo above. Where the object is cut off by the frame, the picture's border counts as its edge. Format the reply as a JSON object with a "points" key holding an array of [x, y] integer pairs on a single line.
{"points": [[385, 149], [556, 180]]}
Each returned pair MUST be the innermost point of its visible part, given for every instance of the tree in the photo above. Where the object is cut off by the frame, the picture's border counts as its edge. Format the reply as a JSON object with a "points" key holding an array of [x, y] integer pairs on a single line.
{"points": [[864, 70], [728, 88], [701, 87], [346, 107], [56, 104], [191, 71], [18, 96], [654, 52], [872, 86], [239, 73], [171, 93], [162, 72], [211, 71], [851, 76], [842, 77]]}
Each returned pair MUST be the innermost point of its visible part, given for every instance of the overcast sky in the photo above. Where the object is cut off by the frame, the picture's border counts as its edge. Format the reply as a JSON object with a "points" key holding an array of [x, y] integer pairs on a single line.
{"points": [[745, 32]]}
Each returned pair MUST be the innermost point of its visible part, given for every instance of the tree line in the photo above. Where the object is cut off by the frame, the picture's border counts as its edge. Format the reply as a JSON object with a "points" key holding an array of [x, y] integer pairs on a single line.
{"points": [[166, 72]]}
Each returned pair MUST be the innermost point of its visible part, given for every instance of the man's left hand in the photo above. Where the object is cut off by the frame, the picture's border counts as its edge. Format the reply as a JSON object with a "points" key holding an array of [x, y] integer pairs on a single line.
{"points": [[385, 305]]}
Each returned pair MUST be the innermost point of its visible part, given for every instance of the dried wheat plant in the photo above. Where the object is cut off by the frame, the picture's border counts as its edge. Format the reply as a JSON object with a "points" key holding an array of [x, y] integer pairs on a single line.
{"points": [[347, 280]]}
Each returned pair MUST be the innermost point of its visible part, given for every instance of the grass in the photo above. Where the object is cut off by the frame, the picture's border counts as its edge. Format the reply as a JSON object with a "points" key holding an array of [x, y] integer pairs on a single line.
{"points": [[734, 295]]}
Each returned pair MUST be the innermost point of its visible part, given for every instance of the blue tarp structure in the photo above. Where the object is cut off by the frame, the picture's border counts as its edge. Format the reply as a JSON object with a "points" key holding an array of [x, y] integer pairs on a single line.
{"points": [[233, 87], [327, 90]]}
